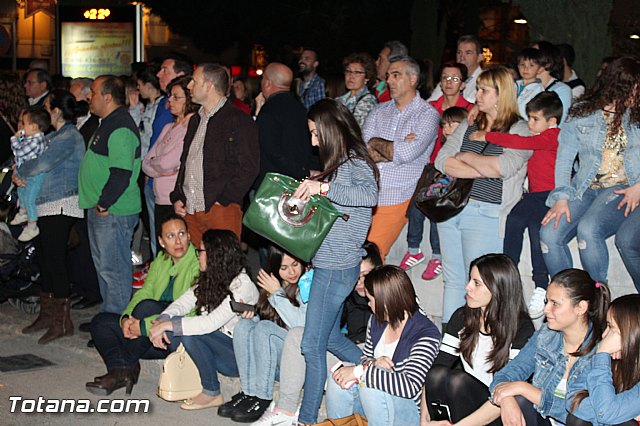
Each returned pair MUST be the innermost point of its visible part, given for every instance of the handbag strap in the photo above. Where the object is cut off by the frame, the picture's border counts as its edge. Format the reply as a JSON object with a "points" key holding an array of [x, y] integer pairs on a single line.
{"points": [[331, 169]]}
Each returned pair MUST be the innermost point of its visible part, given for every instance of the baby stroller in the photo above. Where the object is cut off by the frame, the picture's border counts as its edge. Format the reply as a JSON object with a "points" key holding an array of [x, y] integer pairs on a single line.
{"points": [[19, 272]]}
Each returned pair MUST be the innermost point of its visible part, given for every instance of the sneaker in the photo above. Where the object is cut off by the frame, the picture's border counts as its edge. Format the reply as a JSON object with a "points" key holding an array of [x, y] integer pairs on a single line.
{"points": [[434, 268], [410, 260], [228, 409], [276, 417], [536, 304], [247, 413], [19, 218], [29, 233], [136, 258]]}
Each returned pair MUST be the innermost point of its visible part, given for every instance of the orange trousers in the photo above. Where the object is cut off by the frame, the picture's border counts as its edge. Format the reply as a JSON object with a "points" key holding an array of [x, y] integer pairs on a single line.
{"points": [[218, 217], [386, 224]]}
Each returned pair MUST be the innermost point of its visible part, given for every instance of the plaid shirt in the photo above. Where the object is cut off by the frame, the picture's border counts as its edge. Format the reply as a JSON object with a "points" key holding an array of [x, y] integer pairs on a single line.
{"points": [[312, 91], [27, 148], [398, 178]]}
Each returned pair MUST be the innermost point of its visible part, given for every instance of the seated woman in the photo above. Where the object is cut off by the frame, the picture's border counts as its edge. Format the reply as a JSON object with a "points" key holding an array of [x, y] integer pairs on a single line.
{"points": [[123, 340], [400, 348], [258, 343], [600, 197], [483, 335], [612, 395], [202, 318], [556, 356]]}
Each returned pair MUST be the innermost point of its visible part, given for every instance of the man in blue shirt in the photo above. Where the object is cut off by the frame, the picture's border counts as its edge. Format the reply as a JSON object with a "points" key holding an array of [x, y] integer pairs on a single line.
{"points": [[311, 88]]}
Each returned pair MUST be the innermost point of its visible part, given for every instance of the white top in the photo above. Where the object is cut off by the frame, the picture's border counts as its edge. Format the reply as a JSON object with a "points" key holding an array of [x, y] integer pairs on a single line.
{"points": [[65, 206], [385, 349], [481, 366], [560, 392]]}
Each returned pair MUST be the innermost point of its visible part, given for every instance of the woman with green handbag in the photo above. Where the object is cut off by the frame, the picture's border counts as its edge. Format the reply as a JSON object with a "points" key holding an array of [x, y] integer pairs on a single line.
{"points": [[352, 188]]}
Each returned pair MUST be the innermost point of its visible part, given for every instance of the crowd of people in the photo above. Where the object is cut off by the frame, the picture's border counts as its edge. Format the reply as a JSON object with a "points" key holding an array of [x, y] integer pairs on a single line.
{"points": [[180, 149]]}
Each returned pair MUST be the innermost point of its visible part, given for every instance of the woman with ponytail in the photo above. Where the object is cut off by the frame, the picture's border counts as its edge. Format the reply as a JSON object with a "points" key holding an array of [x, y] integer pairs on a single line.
{"points": [[57, 204], [612, 393], [556, 356]]}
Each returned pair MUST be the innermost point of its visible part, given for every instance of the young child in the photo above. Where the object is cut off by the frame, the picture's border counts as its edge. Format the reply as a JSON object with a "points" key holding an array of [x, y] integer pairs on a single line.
{"points": [[27, 145], [544, 112], [451, 119], [529, 85]]}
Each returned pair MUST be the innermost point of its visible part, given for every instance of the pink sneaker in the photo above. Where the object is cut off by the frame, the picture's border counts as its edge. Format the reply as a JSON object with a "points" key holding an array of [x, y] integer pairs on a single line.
{"points": [[410, 260], [434, 268]]}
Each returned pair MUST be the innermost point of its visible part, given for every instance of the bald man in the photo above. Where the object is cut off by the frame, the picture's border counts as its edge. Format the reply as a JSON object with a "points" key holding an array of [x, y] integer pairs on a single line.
{"points": [[282, 126]]}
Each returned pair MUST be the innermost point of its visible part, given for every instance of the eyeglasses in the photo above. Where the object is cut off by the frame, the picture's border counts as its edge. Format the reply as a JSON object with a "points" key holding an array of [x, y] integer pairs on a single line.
{"points": [[354, 72], [446, 78], [176, 97]]}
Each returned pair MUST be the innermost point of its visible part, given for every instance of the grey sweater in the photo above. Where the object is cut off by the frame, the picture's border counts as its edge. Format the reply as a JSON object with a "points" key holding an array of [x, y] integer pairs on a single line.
{"points": [[353, 191]]}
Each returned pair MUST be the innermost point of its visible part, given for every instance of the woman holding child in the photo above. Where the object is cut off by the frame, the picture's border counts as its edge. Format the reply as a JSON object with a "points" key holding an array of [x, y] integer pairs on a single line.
{"points": [[601, 197], [57, 205], [498, 175]]}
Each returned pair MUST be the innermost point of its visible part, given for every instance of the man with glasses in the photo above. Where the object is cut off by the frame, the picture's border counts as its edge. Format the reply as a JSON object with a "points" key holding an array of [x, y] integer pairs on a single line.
{"points": [[37, 84], [469, 53]]}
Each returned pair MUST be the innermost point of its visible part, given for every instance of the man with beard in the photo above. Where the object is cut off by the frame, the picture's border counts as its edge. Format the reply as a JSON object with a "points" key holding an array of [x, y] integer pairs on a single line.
{"points": [[311, 88]]}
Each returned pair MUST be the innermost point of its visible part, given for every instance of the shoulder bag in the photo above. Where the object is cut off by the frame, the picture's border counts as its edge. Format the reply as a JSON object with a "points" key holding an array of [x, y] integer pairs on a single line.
{"points": [[180, 378]]}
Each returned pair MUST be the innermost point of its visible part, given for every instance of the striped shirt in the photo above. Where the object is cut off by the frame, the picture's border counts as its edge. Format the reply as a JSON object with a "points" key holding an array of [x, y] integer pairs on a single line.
{"points": [[420, 341], [194, 172], [398, 178], [488, 190]]}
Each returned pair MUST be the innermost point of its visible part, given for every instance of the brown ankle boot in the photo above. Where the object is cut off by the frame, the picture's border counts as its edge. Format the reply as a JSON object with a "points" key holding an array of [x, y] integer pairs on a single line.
{"points": [[61, 323], [120, 377], [44, 317]]}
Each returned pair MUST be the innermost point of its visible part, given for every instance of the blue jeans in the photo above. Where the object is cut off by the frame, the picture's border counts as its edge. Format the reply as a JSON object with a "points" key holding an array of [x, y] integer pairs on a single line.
{"points": [[628, 245], [465, 237], [528, 214], [117, 351], [416, 229], [379, 407], [110, 240], [212, 353], [150, 200], [258, 346], [329, 290], [594, 218], [28, 195]]}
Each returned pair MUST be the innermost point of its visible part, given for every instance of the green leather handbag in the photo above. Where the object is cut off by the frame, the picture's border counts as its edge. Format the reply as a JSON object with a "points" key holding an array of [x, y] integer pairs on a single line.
{"points": [[297, 226]]}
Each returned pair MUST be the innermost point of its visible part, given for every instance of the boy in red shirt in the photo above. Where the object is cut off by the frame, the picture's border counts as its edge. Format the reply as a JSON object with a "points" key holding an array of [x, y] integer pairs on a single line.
{"points": [[544, 112]]}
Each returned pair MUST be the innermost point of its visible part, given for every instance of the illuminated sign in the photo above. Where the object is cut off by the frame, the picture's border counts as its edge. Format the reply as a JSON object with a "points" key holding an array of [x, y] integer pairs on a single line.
{"points": [[96, 13]]}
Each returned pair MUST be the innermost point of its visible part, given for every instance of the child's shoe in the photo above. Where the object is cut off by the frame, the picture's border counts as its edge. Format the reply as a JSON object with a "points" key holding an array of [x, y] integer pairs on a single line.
{"points": [[410, 260], [536, 304], [19, 218], [434, 268], [29, 233]]}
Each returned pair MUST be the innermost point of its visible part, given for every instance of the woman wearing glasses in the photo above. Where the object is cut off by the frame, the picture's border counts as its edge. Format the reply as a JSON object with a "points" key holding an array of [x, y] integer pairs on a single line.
{"points": [[359, 76], [163, 159]]}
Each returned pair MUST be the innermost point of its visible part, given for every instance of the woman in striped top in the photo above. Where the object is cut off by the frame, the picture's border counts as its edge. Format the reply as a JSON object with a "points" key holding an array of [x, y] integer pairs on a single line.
{"points": [[498, 175], [400, 347], [483, 336]]}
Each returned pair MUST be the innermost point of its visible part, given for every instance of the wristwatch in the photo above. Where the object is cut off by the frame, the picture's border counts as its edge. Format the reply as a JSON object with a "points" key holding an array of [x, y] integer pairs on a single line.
{"points": [[358, 371], [324, 188]]}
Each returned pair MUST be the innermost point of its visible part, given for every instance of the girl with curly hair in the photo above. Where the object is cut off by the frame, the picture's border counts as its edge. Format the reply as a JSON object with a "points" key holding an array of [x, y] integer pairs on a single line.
{"points": [[600, 199], [202, 318]]}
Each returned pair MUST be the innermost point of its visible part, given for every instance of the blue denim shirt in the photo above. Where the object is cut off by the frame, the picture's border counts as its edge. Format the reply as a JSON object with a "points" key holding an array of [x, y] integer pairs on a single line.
{"points": [[604, 406], [60, 162], [543, 356], [584, 137]]}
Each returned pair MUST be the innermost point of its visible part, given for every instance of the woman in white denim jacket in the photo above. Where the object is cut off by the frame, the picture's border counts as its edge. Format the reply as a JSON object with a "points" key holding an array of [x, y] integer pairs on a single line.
{"points": [[600, 200]]}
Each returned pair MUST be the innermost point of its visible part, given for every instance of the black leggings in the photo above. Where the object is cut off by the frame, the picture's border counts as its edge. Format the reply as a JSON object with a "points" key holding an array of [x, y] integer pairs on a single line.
{"points": [[51, 246], [458, 389], [574, 421], [531, 415]]}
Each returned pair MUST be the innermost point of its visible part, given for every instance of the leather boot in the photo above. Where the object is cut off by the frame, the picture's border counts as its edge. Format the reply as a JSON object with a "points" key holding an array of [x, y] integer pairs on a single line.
{"points": [[44, 317], [120, 377], [61, 323]]}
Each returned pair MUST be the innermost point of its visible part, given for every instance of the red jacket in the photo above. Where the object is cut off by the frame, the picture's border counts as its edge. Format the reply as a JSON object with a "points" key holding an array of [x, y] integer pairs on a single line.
{"points": [[437, 104]]}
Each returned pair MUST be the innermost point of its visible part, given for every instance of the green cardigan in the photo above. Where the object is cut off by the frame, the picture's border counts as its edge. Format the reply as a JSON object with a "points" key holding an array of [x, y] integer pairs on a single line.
{"points": [[161, 270]]}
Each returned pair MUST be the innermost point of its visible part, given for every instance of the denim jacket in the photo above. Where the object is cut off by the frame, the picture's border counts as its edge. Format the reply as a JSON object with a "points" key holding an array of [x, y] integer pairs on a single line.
{"points": [[543, 356], [604, 406], [60, 162], [584, 137]]}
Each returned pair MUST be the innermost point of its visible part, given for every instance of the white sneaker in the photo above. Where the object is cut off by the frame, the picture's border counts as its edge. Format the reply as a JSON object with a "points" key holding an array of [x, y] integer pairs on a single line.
{"points": [[275, 417], [136, 258], [536, 304], [29, 233], [19, 218]]}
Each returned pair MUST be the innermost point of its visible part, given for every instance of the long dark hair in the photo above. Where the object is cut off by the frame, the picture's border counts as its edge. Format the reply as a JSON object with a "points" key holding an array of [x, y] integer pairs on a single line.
{"points": [[394, 294], [225, 261], [66, 103], [618, 84], [503, 314], [339, 134], [580, 286], [264, 308], [625, 311]]}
